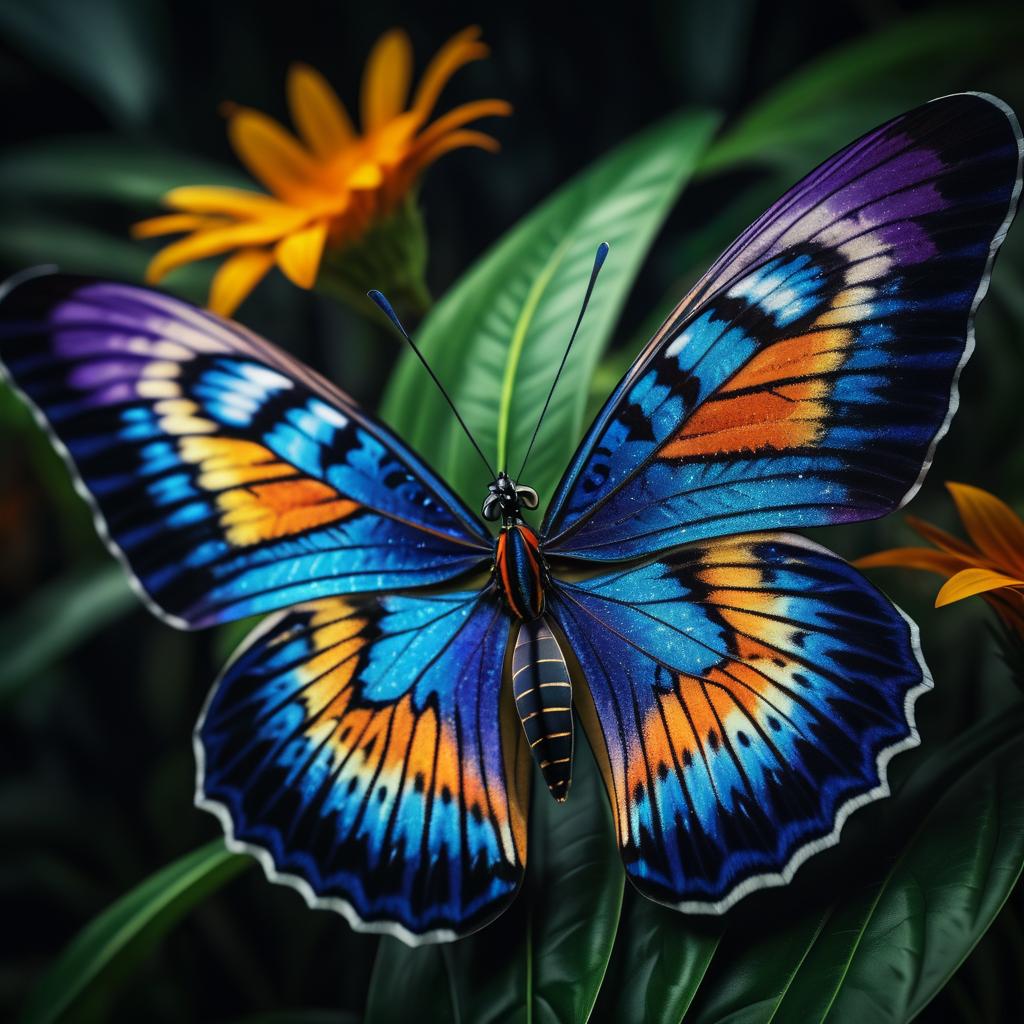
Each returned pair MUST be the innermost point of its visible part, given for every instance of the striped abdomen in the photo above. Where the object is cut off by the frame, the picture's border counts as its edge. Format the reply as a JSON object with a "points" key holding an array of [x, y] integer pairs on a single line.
{"points": [[519, 570], [543, 694]]}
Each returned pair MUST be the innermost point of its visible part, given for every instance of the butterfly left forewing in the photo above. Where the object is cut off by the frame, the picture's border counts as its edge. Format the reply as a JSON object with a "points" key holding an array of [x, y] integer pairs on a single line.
{"points": [[357, 747], [230, 479], [743, 697]]}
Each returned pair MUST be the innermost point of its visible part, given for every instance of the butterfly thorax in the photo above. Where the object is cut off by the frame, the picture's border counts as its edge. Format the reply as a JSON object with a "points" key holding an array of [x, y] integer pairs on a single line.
{"points": [[520, 572]]}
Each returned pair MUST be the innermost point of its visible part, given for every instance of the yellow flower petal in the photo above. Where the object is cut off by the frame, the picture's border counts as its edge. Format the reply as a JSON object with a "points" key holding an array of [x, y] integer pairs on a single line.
{"points": [[211, 243], [392, 143], [274, 156], [172, 224], [319, 115], [236, 278], [299, 254], [971, 582], [234, 202], [366, 175], [942, 540], [461, 49], [386, 79], [995, 528], [940, 562], [460, 116], [453, 140]]}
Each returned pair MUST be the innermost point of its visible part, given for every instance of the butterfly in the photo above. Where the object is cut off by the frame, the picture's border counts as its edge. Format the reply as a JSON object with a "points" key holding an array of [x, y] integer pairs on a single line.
{"points": [[742, 688]]}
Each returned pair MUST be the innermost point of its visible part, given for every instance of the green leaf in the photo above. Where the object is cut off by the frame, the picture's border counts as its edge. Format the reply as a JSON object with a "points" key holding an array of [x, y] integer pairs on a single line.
{"points": [[77, 249], [660, 960], [57, 618], [846, 92], [574, 896], [545, 958], [127, 930], [108, 48], [497, 337], [884, 950], [300, 1017], [404, 977], [105, 169]]}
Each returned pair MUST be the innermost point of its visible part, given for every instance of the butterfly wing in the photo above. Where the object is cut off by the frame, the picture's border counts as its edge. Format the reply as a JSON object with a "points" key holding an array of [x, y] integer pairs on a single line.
{"points": [[807, 378], [746, 696], [355, 747], [229, 478]]}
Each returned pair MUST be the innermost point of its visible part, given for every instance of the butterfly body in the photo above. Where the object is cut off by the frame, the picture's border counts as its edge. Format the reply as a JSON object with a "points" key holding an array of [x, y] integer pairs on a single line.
{"points": [[741, 688], [542, 692], [520, 571]]}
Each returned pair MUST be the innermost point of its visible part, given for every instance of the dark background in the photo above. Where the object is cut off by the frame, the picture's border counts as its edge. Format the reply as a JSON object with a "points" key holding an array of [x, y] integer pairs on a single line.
{"points": [[96, 780]]}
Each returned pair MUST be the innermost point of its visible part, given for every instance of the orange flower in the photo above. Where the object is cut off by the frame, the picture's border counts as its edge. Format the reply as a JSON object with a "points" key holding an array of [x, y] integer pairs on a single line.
{"points": [[330, 185], [991, 565]]}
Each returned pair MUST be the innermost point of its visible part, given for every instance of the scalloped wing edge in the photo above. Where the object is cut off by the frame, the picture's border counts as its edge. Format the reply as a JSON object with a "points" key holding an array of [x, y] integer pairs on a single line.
{"points": [[979, 295], [98, 520]]}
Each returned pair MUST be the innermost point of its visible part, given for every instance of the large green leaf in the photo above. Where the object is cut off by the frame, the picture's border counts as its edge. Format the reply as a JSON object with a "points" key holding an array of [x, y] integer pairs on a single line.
{"points": [[846, 92], [403, 978], [884, 949], [660, 960], [497, 337], [105, 169], [110, 49], [543, 960], [27, 242], [58, 617], [115, 941]]}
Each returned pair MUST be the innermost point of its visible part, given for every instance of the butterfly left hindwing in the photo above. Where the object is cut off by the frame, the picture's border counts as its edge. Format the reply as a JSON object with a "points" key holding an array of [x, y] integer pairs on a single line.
{"points": [[358, 748]]}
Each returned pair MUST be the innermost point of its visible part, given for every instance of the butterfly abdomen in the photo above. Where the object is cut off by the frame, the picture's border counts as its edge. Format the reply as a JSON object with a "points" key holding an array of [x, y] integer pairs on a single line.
{"points": [[543, 696], [519, 570]]}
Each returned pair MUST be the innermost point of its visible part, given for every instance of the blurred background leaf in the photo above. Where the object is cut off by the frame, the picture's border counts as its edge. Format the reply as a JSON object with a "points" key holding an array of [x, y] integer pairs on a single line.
{"points": [[101, 169], [849, 90], [108, 48], [113, 942], [56, 618]]}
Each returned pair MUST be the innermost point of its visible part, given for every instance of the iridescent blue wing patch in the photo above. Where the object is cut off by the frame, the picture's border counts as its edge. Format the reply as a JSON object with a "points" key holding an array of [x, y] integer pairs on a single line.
{"points": [[229, 478], [357, 749], [807, 378], [745, 696]]}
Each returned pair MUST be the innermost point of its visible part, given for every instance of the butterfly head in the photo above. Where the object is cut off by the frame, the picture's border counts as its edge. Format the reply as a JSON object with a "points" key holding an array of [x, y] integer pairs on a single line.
{"points": [[506, 498]]}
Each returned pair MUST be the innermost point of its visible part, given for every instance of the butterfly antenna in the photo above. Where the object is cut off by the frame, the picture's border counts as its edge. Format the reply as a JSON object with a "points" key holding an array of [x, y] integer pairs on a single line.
{"points": [[385, 307], [602, 252]]}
